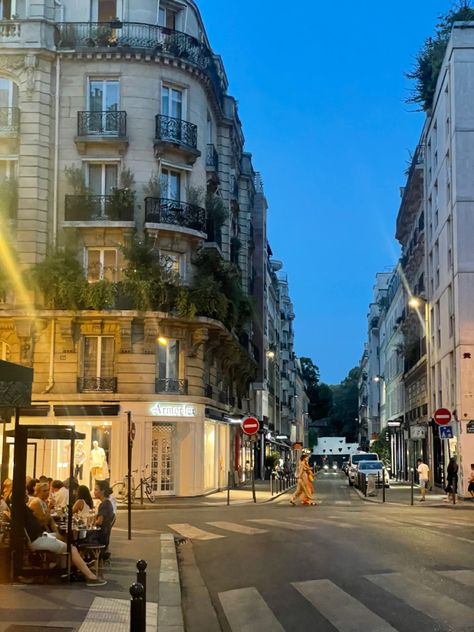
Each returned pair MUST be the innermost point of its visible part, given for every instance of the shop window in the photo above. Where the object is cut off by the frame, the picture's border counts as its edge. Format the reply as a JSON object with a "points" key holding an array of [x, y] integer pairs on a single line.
{"points": [[101, 264]]}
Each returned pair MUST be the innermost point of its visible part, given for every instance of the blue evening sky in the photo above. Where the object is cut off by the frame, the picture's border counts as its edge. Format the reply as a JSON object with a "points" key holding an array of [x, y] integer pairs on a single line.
{"points": [[321, 94]]}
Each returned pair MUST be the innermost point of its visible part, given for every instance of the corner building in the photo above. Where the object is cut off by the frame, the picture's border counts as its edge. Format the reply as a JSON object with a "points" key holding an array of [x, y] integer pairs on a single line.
{"points": [[115, 124]]}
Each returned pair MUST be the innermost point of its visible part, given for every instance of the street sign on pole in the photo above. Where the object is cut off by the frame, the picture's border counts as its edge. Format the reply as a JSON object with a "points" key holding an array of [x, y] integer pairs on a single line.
{"points": [[446, 432], [250, 425], [442, 416]]}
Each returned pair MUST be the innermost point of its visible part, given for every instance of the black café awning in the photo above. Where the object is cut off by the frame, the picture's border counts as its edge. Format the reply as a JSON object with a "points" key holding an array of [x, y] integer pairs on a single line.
{"points": [[66, 433]]}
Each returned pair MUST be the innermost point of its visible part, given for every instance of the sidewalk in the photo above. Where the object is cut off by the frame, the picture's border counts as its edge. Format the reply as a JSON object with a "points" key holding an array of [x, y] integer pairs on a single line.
{"points": [[238, 496], [75, 607], [399, 493]]}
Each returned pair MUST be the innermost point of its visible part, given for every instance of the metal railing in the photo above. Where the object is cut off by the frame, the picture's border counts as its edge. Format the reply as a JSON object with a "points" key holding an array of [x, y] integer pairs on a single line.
{"points": [[212, 157], [102, 123], [174, 130], [281, 482], [131, 36], [166, 211], [99, 384], [117, 207], [9, 121], [164, 385]]}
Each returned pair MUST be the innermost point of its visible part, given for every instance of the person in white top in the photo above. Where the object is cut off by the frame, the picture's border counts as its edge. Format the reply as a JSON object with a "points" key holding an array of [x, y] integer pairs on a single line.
{"points": [[423, 474], [59, 497]]}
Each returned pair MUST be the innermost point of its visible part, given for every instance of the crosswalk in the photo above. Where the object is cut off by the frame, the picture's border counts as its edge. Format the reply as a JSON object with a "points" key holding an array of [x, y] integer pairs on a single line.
{"points": [[247, 611], [218, 529]]}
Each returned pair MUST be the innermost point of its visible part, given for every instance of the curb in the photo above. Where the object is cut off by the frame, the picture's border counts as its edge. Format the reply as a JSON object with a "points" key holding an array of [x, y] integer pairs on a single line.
{"points": [[204, 504], [170, 615]]}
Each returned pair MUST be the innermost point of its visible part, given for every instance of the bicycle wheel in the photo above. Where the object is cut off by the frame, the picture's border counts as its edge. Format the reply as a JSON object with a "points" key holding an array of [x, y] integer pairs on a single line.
{"points": [[119, 490], [150, 494]]}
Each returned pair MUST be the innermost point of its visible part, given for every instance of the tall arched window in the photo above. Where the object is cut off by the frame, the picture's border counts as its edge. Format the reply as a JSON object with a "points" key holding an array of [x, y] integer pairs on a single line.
{"points": [[4, 351]]}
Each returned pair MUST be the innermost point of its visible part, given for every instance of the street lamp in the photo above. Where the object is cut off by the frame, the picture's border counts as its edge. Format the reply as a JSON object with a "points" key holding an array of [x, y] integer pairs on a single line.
{"points": [[378, 378]]}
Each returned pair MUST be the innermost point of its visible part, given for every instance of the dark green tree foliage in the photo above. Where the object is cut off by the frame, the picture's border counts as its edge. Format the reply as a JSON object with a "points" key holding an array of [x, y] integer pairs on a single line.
{"points": [[382, 448], [345, 410], [217, 291], [429, 60], [320, 395]]}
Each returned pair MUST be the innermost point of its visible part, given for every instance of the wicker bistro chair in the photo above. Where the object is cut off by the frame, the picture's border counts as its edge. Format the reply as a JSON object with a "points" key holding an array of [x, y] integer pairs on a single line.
{"points": [[90, 553]]}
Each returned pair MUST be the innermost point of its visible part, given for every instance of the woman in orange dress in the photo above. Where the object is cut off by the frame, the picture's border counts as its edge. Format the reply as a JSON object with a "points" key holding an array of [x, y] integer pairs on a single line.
{"points": [[305, 487]]}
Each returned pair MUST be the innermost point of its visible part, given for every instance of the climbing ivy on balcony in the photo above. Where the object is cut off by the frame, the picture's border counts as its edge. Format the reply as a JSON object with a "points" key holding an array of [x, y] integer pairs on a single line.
{"points": [[429, 60]]}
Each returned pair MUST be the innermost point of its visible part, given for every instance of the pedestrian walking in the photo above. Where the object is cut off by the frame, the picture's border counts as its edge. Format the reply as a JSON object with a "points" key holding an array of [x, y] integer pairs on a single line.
{"points": [[423, 476], [470, 487], [451, 480], [304, 486]]}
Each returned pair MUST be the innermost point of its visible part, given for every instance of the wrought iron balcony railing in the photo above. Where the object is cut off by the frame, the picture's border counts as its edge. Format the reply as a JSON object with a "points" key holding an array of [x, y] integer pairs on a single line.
{"points": [[179, 387], [9, 121], [117, 207], [175, 130], [100, 384], [132, 36], [107, 123], [212, 157], [166, 211]]}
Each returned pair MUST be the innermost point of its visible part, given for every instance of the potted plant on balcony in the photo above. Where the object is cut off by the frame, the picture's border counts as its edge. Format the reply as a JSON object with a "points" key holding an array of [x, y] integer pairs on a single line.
{"points": [[216, 215]]}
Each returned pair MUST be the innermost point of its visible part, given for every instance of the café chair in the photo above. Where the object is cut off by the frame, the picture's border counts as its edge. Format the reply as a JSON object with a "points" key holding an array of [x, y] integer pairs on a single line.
{"points": [[90, 553]]}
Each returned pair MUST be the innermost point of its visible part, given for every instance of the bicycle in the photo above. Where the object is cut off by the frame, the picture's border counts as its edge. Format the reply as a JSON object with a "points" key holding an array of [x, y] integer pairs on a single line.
{"points": [[120, 488]]}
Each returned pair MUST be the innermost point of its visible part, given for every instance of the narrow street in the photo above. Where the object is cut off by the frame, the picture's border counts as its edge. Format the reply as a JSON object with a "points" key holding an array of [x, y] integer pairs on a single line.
{"points": [[344, 565]]}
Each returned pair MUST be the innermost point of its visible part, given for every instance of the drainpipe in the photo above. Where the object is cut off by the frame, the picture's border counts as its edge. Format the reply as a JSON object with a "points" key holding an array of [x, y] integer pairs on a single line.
{"points": [[51, 358]]}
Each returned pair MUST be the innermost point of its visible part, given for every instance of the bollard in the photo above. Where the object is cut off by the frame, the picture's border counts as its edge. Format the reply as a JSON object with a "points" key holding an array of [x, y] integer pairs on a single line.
{"points": [[412, 483], [137, 609], [141, 576], [271, 483], [254, 495], [383, 485], [228, 488]]}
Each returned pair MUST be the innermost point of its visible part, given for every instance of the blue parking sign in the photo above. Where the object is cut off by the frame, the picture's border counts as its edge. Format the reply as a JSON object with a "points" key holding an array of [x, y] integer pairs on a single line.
{"points": [[446, 432]]}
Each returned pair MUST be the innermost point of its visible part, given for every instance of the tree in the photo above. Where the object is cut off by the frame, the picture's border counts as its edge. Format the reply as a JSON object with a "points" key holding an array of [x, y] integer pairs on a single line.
{"points": [[343, 417], [429, 60]]}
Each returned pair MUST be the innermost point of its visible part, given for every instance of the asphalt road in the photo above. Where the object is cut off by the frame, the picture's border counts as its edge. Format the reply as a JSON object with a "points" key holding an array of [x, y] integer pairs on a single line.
{"points": [[345, 565]]}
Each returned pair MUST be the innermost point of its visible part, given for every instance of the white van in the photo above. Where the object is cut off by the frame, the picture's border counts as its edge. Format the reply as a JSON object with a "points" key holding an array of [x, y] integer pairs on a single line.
{"points": [[354, 460]]}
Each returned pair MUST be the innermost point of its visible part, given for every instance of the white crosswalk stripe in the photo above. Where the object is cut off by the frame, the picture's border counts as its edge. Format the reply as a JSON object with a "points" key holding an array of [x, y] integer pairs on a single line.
{"points": [[332, 523], [246, 611], [344, 612], [291, 526], [464, 576], [236, 528], [188, 531], [432, 603]]}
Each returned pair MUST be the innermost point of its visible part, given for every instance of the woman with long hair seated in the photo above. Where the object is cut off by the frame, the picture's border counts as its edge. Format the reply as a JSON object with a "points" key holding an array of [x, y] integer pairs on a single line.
{"points": [[84, 504]]}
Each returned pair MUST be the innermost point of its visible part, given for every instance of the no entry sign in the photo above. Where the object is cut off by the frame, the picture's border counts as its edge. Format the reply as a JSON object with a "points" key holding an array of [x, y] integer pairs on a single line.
{"points": [[250, 425], [442, 416]]}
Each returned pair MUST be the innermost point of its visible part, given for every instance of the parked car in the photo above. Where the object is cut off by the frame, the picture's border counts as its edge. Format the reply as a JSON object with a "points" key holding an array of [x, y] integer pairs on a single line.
{"points": [[354, 461], [371, 468]]}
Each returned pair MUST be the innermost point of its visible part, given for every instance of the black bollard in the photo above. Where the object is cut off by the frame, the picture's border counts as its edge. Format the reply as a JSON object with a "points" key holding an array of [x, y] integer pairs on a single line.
{"points": [[141, 576], [137, 609]]}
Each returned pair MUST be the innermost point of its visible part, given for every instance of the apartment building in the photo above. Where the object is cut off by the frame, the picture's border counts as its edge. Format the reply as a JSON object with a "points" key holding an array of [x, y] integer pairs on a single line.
{"points": [[118, 138]]}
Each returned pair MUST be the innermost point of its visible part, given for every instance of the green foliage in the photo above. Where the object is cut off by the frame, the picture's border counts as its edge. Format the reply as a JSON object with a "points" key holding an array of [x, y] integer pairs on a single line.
{"points": [[217, 291], [127, 180], [320, 395], [195, 195], [429, 60], [216, 215], [76, 179], [382, 448], [312, 438], [100, 295], [153, 186]]}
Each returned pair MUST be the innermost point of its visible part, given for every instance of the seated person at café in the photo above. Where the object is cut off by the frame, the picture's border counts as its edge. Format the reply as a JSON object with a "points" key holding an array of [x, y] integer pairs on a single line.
{"points": [[105, 513], [6, 497], [84, 505], [40, 508], [59, 497], [42, 541], [30, 488]]}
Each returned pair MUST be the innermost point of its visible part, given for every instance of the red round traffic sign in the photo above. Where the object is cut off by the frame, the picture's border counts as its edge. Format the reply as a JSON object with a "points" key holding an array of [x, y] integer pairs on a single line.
{"points": [[442, 416], [250, 425]]}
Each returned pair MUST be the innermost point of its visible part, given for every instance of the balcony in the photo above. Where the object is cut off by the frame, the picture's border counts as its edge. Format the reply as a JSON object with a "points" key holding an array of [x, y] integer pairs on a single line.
{"points": [[117, 207], [174, 213], [178, 387], [97, 384], [208, 391], [10, 31], [136, 37], [9, 122], [176, 135], [102, 127]]}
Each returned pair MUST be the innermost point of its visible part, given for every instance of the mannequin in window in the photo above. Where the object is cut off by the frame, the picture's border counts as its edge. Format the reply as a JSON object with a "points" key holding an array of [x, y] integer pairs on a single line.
{"points": [[99, 468], [79, 460]]}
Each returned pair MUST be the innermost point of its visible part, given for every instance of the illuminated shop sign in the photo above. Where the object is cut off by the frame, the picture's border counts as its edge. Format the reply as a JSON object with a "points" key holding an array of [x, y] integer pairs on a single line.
{"points": [[171, 409]]}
